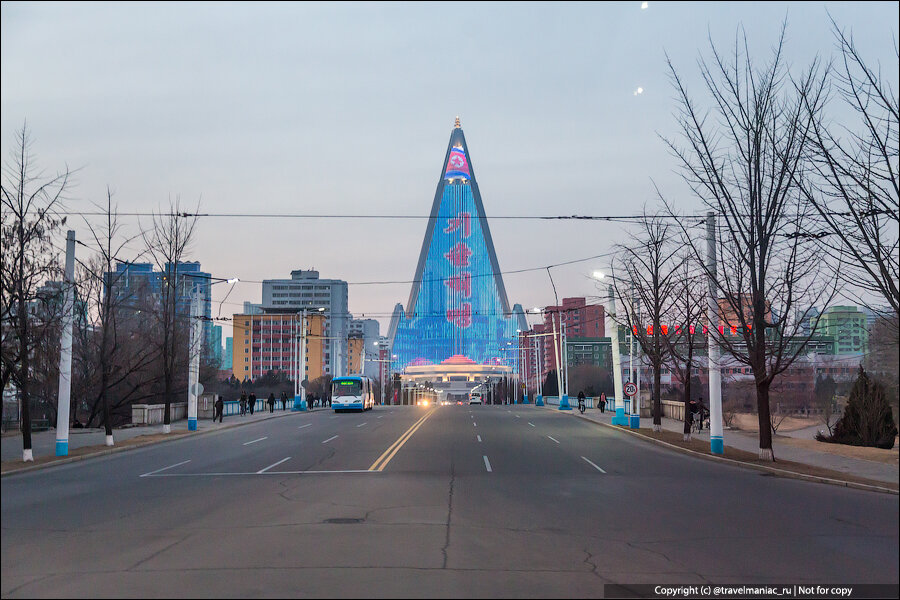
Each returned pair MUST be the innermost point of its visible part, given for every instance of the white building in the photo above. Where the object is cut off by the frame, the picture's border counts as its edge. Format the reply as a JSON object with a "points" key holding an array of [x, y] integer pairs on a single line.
{"points": [[305, 290], [369, 329]]}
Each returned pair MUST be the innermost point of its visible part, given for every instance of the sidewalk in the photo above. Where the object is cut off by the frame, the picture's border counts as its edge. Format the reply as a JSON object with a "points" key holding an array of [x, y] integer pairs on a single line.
{"points": [[820, 455], [44, 442]]}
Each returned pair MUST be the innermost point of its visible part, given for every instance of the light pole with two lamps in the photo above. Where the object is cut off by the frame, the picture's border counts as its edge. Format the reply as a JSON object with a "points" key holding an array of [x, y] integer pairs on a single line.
{"points": [[194, 386], [634, 419]]}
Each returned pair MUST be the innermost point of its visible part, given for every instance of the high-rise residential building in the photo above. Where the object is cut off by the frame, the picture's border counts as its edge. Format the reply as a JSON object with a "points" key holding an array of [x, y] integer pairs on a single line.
{"points": [[457, 304], [270, 342], [582, 320], [370, 331], [848, 326], [305, 290], [216, 346], [227, 360], [134, 283]]}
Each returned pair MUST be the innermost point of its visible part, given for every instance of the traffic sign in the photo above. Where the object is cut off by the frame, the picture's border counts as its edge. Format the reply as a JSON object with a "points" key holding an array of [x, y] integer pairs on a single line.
{"points": [[630, 389]]}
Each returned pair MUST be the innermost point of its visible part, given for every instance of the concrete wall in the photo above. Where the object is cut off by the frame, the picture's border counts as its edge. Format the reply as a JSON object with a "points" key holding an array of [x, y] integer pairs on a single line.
{"points": [[153, 414]]}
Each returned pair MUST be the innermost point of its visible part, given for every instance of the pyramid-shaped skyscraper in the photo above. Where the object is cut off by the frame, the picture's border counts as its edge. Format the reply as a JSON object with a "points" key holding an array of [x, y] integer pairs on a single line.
{"points": [[458, 303]]}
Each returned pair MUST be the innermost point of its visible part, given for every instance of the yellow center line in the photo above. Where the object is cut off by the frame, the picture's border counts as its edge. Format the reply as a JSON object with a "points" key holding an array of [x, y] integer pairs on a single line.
{"points": [[388, 454]]}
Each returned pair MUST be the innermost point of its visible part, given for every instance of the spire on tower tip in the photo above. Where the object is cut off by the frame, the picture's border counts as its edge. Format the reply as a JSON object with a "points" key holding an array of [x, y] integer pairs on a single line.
{"points": [[457, 122]]}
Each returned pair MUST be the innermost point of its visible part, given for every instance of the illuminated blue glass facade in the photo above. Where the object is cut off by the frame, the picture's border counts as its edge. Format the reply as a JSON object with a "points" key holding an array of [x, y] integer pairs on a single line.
{"points": [[458, 303]]}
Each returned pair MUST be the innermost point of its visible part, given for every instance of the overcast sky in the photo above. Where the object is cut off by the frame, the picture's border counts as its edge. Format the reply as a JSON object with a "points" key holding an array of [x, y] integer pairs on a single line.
{"points": [[348, 108]]}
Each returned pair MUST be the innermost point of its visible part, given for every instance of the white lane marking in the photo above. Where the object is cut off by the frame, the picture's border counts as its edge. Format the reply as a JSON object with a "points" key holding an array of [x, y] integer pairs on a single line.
{"points": [[302, 426], [254, 441], [329, 439], [361, 424], [487, 465], [379, 417], [530, 423], [479, 438], [553, 438], [474, 423], [256, 473], [184, 462], [334, 417], [518, 417], [274, 465], [593, 465]]}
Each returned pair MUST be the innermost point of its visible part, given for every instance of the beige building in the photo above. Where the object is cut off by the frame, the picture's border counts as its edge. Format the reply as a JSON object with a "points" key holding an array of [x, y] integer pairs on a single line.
{"points": [[270, 342]]}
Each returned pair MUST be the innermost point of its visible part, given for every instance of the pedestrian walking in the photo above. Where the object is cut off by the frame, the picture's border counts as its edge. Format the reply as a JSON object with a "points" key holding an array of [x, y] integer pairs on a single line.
{"points": [[271, 402], [220, 409], [251, 402], [243, 403], [283, 401], [602, 401]]}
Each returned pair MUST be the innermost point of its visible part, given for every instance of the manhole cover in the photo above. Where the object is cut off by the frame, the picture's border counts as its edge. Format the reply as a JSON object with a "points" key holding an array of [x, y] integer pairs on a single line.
{"points": [[344, 521]]}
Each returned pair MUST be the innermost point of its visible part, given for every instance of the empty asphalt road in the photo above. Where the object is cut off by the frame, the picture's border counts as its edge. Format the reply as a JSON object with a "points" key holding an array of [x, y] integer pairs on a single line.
{"points": [[451, 501]]}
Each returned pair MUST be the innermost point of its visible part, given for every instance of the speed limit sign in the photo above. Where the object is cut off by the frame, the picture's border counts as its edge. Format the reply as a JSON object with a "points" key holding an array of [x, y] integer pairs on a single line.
{"points": [[630, 389]]}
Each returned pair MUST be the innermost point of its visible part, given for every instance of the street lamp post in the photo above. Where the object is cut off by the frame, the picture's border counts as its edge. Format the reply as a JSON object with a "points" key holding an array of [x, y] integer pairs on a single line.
{"points": [[299, 390], [194, 386], [619, 400]]}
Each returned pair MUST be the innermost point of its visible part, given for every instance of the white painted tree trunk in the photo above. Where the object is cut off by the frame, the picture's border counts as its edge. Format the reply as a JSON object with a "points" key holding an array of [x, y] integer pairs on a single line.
{"points": [[766, 454], [27, 456], [167, 429], [109, 441], [657, 427], [687, 437]]}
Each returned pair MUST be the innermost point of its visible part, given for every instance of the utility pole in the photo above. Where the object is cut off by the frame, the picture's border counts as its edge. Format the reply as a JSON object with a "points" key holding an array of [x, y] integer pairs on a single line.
{"points": [[194, 369], [65, 352], [301, 352], [618, 388], [716, 434]]}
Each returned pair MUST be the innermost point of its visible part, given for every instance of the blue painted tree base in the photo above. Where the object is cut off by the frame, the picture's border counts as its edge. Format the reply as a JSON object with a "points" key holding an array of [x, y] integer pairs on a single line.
{"points": [[299, 404], [635, 422], [62, 447], [192, 424], [620, 418], [717, 445], [539, 401], [564, 403]]}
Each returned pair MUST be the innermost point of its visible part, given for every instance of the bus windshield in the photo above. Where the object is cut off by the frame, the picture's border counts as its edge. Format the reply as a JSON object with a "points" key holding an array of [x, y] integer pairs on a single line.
{"points": [[346, 387]]}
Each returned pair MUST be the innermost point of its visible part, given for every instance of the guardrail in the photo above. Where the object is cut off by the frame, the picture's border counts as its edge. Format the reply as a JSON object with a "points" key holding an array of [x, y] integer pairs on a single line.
{"points": [[591, 402]]}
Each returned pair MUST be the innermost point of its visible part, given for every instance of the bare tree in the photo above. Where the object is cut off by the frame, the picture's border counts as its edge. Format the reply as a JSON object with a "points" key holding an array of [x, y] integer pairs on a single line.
{"points": [[29, 213], [686, 314], [108, 356], [167, 241], [747, 163], [648, 281], [857, 191]]}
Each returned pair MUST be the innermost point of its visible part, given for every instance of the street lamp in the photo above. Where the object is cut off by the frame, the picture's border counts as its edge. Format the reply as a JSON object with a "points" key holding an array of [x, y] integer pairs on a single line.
{"points": [[194, 386], [300, 354], [613, 327]]}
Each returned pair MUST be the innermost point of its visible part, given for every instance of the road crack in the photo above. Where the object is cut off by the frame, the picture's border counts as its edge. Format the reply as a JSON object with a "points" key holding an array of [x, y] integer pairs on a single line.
{"points": [[449, 515]]}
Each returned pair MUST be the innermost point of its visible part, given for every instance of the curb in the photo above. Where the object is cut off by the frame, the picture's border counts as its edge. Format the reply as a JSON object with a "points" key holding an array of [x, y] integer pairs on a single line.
{"points": [[116, 449], [740, 463]]}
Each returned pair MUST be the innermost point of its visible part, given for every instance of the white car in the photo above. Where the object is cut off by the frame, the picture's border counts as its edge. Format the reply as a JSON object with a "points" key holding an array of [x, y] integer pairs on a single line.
{"points": [[475, 398]]}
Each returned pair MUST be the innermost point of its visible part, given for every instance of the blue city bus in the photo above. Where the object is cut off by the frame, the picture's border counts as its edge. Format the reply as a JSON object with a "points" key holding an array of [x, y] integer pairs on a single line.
{"points": [[355, 392]]}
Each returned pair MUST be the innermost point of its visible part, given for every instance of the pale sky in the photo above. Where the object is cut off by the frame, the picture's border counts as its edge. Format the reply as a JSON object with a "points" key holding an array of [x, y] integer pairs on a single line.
{"points": [[348, 108]]}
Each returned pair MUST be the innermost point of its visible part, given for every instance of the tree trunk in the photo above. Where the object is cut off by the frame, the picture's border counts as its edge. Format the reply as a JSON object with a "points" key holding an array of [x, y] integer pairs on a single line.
{"points": [[765, 422], [687, 406]]}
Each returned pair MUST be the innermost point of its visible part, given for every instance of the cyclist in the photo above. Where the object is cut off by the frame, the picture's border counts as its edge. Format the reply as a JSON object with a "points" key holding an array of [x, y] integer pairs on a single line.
{"points": [[581, 401]]}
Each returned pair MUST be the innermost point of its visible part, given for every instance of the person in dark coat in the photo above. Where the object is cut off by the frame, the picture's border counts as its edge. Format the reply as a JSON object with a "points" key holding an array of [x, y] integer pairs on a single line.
{"points": [[220, 409], [251, 403], [271, 402], [243, 403], [283, 401]]}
